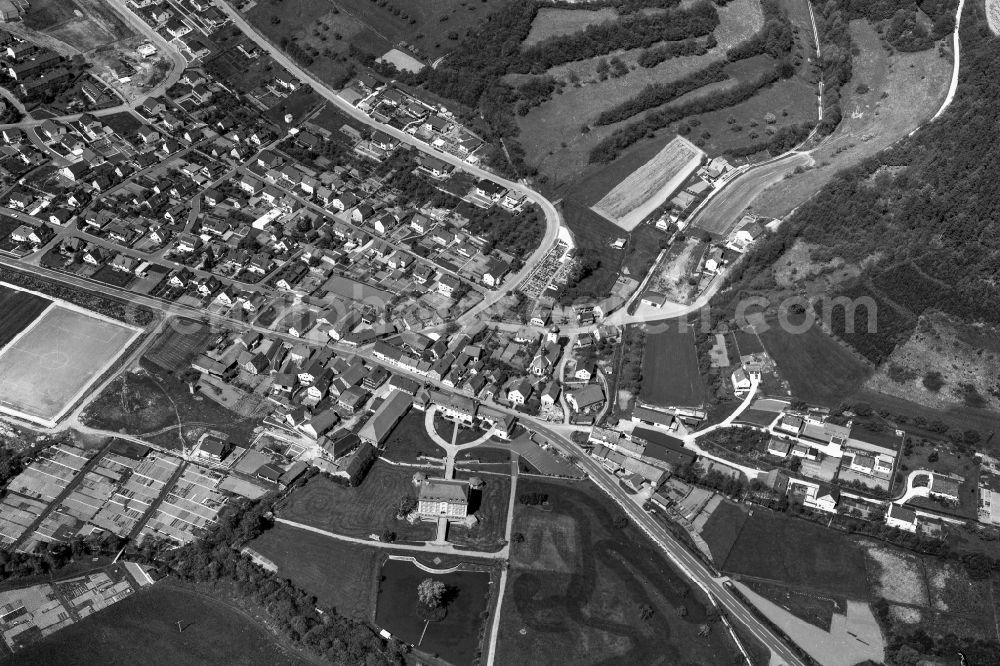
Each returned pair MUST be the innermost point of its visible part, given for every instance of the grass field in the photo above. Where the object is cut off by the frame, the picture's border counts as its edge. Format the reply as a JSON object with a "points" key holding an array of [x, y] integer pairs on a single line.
{"points": [[670, 368], [722, 529], [341, 575], [143, 630], [815, 609], [901, 92], [41, 379], [361, 511], [82, 24], [490, 506], [181, 341], [456, 637], [409, 440], [646, 188], [553, 22], [152, 402], [19, 309], [777, 547], [593, 232], [818, 368], [644, 245], [577, 584]]}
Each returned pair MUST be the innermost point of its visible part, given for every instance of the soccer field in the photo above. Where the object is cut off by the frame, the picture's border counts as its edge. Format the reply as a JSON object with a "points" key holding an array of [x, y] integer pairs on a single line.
{"points": [[52, 362]]}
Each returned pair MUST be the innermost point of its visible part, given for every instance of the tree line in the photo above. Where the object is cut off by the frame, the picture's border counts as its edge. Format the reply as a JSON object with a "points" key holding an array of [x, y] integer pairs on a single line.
{"points": [[631, 32], [654, 55], [611, 147], [657, 94]]}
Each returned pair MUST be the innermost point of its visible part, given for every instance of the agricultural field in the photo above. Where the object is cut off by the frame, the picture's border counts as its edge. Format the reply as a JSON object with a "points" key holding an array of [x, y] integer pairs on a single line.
{"points": [[358, 512], [41, 380], [815, 609], [647, 188], [577, 584], [142, 629], [818, 369], [83, 25], [722, 529], [670, 367], [456, 637], [20, 309], [340, 574], [887, 97], [153, 403], [780, 548]]}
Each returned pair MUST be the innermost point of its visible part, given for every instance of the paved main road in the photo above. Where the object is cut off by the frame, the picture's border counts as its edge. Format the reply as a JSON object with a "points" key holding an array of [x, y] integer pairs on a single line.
{"points": [[689, 565], [552, 218]]}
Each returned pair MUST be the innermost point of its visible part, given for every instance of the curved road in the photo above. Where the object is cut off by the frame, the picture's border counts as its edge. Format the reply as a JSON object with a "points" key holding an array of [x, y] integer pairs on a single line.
{"points": [[552, 218], [956, 48], [177, 66]]}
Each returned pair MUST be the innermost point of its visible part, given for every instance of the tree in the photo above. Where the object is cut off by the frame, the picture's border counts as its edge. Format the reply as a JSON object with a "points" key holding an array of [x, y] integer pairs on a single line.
{"points": [[645, 612], [406, 505], [430, 592]]}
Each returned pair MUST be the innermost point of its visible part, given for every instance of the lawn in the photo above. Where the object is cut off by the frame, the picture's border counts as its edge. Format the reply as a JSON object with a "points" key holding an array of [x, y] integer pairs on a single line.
{"points": [[409, 441], [490, 505], [115, 278], [447, 430], [577, 584], [340, 574], [19, 309], [948, 461], [722, 529], [455, 638], [150, 401], [143, 630], [818, 368], [780, 548], [358, 512], [670, 367]]}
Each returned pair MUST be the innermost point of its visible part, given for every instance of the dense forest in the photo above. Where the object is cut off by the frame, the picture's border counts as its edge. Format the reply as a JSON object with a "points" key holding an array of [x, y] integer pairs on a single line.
{"points": [[926, 209]]}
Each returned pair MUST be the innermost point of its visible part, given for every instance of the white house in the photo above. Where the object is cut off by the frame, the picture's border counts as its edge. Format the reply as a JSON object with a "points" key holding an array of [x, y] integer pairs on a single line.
{"points": [[901, 517]]}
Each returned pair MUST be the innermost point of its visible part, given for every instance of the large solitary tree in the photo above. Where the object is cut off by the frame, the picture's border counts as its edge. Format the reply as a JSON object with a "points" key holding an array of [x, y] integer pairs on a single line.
{"points": [[430, 592]]}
